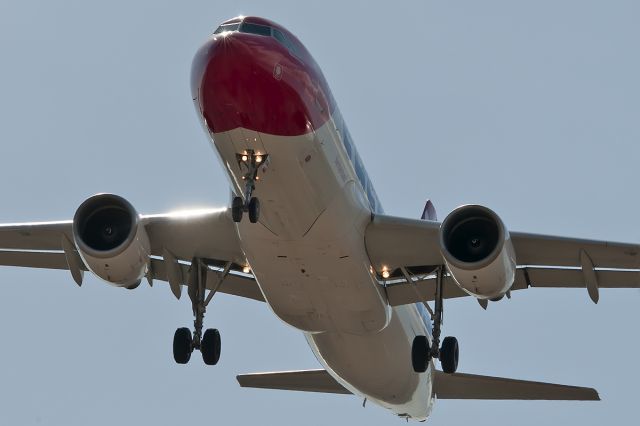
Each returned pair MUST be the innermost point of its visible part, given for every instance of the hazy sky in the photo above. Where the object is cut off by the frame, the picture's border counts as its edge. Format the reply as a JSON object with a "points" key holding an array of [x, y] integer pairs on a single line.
{"points": [[529, 107]]}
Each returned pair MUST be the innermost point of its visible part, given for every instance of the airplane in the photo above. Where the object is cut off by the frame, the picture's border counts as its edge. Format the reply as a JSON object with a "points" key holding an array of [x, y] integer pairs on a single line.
{"points": [[306, 234]]}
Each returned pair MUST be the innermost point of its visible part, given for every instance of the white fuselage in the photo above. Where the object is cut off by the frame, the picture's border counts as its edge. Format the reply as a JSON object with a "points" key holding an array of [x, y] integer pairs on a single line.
{"points": [[308, 256]]}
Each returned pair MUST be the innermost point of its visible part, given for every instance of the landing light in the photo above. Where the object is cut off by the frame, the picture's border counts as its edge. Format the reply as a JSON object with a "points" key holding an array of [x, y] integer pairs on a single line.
{"points": [[245, 158], [386, 274], [258, 158], [246, 269]]}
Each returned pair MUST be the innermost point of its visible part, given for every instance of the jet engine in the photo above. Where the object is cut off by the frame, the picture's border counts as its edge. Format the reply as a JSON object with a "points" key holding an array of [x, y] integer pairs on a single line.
{"points": [[478, 252], [112, 240]]}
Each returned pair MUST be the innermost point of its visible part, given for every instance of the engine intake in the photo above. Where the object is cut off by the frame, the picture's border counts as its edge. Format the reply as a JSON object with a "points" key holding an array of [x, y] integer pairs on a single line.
{"points": [[477, 249], [111, 239]]}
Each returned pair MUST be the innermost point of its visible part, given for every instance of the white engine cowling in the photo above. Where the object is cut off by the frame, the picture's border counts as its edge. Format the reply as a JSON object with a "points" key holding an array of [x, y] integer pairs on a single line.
{"points": [[112, 240], [478, 252]]}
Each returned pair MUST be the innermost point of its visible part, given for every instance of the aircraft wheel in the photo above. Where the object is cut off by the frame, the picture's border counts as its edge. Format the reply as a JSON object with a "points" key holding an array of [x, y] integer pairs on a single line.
{"points": [[182, 342], [236, 209], [210, 346], [449, 355], [420, 354], [254, 210]]}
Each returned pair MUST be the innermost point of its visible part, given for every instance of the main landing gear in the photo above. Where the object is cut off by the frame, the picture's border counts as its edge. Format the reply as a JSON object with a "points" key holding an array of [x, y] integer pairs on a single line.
{"points": [[250, 162], [209, 344], [422, 352]]}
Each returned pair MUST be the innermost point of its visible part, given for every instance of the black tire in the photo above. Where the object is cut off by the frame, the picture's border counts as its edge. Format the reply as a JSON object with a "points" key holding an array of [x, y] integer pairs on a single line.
{"points": [[210, 346], [182, 342], [237, 206], [420, 354], [254, 210], [449, 354]]}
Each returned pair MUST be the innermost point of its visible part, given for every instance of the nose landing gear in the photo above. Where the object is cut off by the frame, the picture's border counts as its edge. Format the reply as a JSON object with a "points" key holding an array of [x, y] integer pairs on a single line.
{"points": [[250, 162], [422, 353]]}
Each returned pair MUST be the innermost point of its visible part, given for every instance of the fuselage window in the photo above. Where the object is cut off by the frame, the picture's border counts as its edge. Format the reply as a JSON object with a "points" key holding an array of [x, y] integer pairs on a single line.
{"points": [[281, 38], [255, 29], [227, 27]]}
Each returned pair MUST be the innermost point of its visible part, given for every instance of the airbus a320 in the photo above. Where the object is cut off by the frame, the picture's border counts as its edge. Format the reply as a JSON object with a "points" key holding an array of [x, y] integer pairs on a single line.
{"points": [[306, 234]]}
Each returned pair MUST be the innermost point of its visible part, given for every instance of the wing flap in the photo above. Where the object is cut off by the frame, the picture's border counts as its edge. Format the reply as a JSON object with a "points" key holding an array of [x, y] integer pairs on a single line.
{"points": [[34, 259], [34, 236], [302, 380], [470, 386], [574, 278], [547, 250], [235, 284], [422, 290]]}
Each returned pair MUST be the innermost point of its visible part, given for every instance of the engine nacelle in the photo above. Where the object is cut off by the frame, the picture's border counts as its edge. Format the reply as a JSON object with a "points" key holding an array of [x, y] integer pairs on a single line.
{"points": [[112, 240], [478, 252]]}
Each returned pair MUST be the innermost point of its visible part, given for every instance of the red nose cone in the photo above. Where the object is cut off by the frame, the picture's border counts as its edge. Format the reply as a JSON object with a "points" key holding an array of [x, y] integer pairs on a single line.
{"points": [[254, 82]]}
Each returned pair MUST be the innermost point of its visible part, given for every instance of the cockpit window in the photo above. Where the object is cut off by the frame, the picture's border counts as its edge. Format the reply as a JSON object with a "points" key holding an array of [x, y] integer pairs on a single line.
{"points": [[255, 29], [278, 35], [227, 27], [263, 30]]}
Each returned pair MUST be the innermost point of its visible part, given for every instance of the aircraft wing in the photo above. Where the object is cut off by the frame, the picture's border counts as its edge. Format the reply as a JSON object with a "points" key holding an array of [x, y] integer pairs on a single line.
{"points": [[543, 261], [205, 234]]}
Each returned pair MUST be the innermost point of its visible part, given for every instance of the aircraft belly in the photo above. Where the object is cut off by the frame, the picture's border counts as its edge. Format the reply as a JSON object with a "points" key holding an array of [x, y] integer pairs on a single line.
{"points": [[378, 366], [307, 251]]}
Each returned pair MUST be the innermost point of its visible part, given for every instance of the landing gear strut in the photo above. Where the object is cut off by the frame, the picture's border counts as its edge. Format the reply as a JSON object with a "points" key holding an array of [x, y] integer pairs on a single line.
{"points": [[250, 162], [422, 353], [209, 344]]}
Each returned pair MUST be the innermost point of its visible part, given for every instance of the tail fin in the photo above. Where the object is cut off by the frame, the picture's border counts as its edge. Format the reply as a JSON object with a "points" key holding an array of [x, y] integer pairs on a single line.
{"points": [[429, 212]]}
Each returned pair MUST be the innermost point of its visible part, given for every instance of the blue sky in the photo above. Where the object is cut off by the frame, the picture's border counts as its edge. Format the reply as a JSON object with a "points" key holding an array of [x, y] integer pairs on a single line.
{"points": [[530, 108]]}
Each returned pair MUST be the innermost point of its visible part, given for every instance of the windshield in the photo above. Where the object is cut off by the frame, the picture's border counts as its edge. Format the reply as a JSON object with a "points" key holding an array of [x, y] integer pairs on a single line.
{"points": [[255, 29], [227, 27]]}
